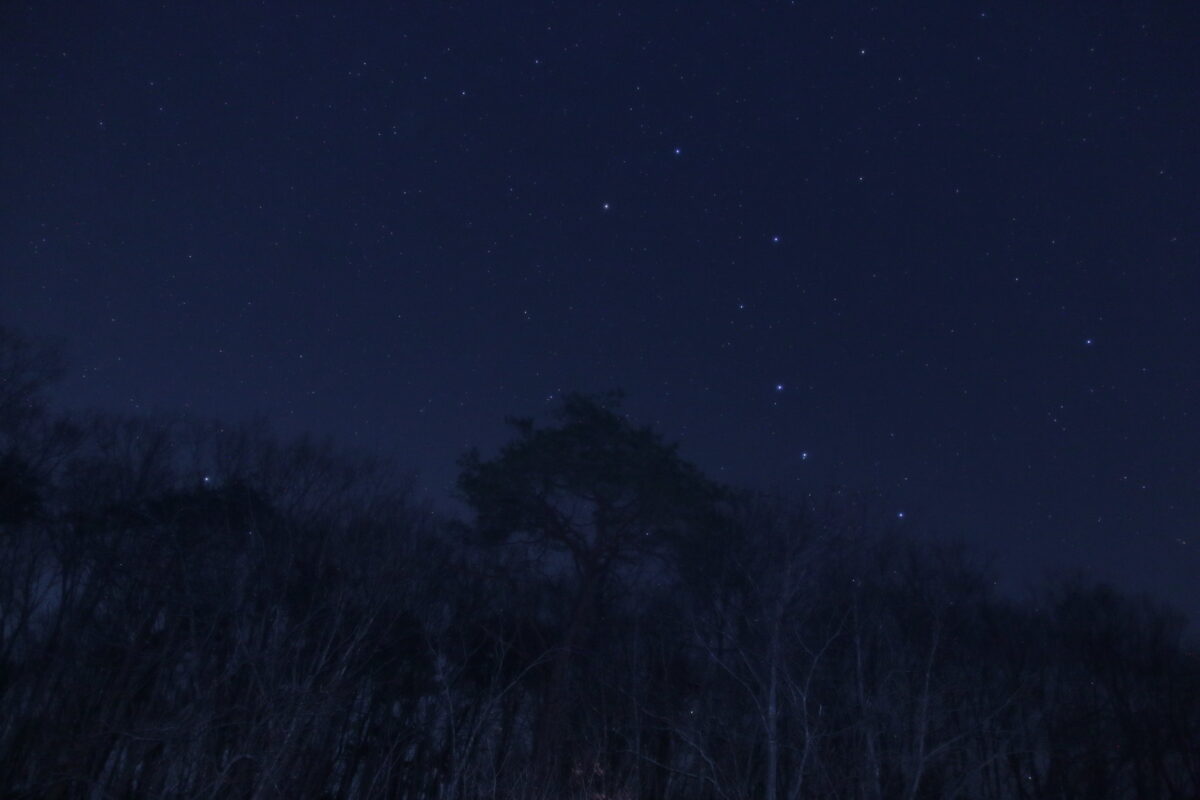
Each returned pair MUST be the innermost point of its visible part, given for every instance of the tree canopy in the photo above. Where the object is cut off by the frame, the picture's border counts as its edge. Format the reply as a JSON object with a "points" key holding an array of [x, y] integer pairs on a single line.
{"points": [[594, 486]]}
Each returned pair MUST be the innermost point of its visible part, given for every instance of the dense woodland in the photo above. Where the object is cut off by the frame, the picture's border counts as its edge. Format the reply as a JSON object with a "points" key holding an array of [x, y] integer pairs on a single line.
{"points": [[198, 611]]}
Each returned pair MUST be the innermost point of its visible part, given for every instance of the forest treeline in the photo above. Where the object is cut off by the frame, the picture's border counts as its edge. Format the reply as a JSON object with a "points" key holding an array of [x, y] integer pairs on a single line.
{"points": [[198, 611]]}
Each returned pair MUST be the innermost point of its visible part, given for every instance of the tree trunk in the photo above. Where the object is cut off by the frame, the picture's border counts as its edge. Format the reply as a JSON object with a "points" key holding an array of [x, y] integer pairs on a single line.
{"points": [[550, 757]]}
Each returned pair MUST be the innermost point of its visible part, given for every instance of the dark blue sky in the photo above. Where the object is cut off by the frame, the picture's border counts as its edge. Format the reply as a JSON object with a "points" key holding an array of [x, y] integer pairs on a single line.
{"points": [[948, 251]]}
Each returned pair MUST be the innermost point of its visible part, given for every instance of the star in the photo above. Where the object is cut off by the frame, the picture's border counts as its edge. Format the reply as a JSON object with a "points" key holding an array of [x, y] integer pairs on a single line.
{"points": [[678, 151]]}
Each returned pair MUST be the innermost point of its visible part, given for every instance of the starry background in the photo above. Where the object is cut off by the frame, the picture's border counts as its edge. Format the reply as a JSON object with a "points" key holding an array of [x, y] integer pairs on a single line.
{"points": [[946, 251]]}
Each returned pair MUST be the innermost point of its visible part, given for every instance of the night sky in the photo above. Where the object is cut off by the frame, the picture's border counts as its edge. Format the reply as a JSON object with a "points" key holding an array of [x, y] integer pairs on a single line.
{"points": [[946, 251]]}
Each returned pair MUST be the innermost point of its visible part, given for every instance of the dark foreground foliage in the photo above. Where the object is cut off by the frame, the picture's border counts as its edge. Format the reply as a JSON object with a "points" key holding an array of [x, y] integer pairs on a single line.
{"points": [[190, 611]]}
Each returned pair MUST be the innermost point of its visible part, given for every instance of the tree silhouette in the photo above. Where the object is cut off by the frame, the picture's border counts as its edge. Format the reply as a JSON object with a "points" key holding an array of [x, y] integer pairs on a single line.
{"points": [[601, 492], [202, 611]]}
